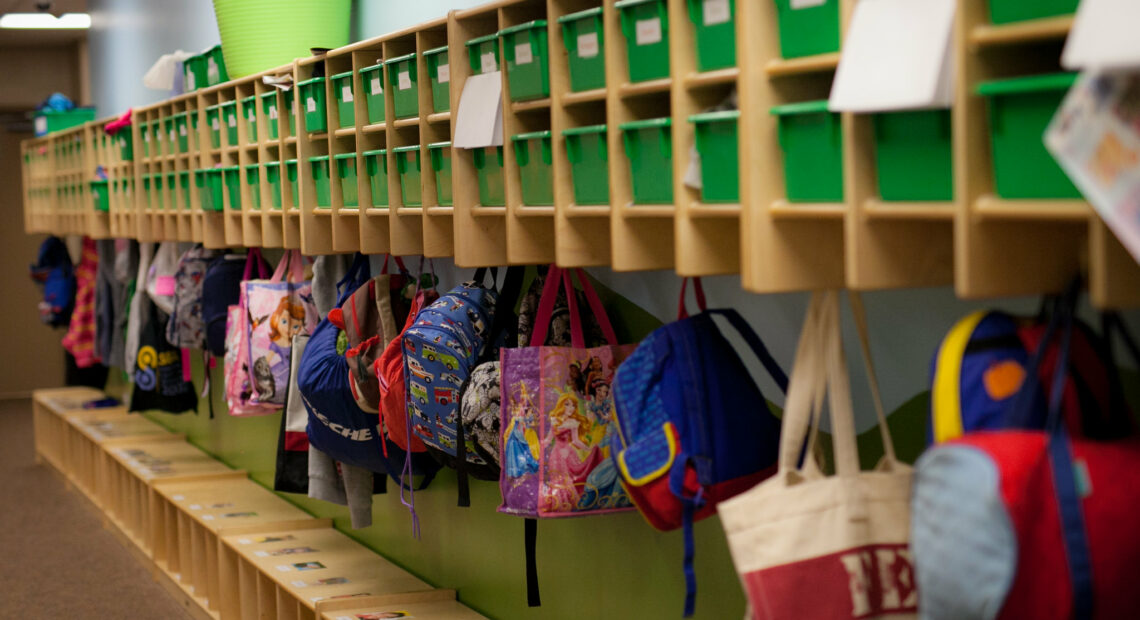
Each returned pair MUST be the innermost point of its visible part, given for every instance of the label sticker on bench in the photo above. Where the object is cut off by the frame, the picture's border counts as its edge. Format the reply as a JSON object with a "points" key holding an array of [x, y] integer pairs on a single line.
{"points": [[588, 45], [195, 506], [298, 584], [260, 554], [649, 31], [284, 568], [177, 498], [207, 517]]}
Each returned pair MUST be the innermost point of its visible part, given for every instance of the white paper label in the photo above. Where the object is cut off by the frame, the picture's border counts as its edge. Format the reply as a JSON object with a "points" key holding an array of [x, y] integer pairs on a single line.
{"points": [[806, 4], [245, 541], [345, 618], [273, 112], [213, 124], [648, 31], [182, 130], [588, 45], [146, 136], [261, 554], [311, 104], [404, 80], [487, 63], [346, 93], [177, 498], [190, 81], [252, 116], [172, 136], [195, 506], [233, 121], [443, 74], [298, 584], [41, 124], [377, 86], [212, 69], [207, 517], [284, 568], [716, 12], [523, 54]]}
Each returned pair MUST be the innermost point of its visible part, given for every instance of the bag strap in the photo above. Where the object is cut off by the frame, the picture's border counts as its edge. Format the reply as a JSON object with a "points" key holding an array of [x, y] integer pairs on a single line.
{"points": [[595, 306], [756, 345], [860, 314], [530, 536], [796, 423], [290, 268], [698, 292], [356, 276], [546, 305], [254, 257]]}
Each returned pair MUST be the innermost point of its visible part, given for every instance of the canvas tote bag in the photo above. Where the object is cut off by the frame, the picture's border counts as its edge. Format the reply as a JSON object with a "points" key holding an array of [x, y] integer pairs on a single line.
{"points": [[810, 545]]}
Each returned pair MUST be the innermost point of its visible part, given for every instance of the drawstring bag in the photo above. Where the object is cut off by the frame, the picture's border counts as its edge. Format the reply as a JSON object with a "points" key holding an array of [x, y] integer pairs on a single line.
{"points": [[186, 328], [278, 308], [159, 382]]}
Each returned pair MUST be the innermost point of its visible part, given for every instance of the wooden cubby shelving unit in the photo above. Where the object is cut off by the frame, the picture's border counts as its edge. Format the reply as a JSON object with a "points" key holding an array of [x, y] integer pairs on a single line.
{"points": [[222, 545], [984, 246]]}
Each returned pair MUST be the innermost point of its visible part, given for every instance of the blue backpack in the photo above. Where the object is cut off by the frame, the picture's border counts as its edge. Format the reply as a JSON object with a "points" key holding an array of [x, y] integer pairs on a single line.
{"points": [[694, 429], [54, 271]]}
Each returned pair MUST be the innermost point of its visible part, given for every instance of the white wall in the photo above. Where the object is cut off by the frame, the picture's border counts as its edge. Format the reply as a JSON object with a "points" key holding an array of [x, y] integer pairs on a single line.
{"points": [[377, 17]]}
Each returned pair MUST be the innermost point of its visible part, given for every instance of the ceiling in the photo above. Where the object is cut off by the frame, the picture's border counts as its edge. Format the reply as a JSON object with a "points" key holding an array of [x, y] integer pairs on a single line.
{"points": [[33, 38]]}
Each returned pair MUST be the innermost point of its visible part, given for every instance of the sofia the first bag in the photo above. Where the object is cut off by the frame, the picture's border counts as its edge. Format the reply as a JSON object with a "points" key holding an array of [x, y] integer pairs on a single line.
{"points": [[558, 416], [278, 309]]}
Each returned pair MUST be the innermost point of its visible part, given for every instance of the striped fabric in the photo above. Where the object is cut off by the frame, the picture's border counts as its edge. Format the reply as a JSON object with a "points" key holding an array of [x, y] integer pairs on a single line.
{"points": [[80, 338]]}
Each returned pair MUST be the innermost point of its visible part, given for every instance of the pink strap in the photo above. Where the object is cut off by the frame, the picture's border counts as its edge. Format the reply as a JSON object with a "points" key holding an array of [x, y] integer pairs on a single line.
{"points": [[698, 291], [546, 306], [577, 340], [290, 268], [597, 307], [254, 256]]}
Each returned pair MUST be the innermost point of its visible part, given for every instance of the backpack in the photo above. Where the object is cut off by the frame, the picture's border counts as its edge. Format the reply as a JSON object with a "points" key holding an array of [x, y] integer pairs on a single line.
{"points": [[186, 329], [54, 271], [221, 288]]}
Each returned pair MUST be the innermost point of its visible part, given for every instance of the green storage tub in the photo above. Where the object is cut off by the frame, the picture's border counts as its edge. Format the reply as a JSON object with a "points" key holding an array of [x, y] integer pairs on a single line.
{"points": [[214, 123], [253, 180], [1009, 11], [184, 185], [145, 134], [807, 31], [202, 182], [402, 80], [645, 24], [273, 180], [376, 167], [290, 106], [346, 173], [535, 158], [269, 108], [812, 142], [525, 51], [194, 73], [1019, 111], [146, 191], [319, 169], [345, 108], [714, 28], [170, 129], [719, 147], [192, 116], [408, 166], [249, 113], [483, 54], [214, 189], [439, 72], [126, 144], [312, 92], [181, 133], [649, 149], [584, 38], [913, 155], [171, 189], [489, 171], [291, 178], [155, 196], [588, 153], [229, 118], [440, 153], [215, 66], [99, 196], [373, 80], [232, 177]]}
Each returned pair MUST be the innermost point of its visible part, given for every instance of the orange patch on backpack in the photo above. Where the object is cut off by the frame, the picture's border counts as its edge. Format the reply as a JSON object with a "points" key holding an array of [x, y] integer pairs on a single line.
{"points": [[1003, 379]]}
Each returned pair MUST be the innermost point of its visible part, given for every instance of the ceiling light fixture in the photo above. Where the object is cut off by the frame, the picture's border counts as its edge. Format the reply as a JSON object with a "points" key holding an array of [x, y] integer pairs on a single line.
{"points": [[45, 21]]}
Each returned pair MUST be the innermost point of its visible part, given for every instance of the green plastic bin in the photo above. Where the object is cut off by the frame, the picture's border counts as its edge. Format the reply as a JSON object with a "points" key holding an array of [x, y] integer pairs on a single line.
{"points": [[1019, 111], [232, 177], [489, 171], [312, 92], [170, 130], [202, 183], [649, 149], [439, 72], [345, 108], [402, 80], [99, 196], [214, 189], [584, 38], [249, 113], [253, 180], [373, 80], [376, 167], [718, 145], [525, 51], [155, 197], [483, 54], [229, 118], [588, 153], [346, 173], [408, 167], [291, 178], [50, 121], [144, 133], [171, 185], [714, 28], [273, 179], [812, 142], [913, 155], [440, 153], [269, 109], [126, 144], [215, 66], [214, 123], [147, 195], [319, 169], [194, 73], [535, 158], [645, 24], [181, 133], [192, 116], [184, 185], [290, 106], [810, 30], [1008, 11]]}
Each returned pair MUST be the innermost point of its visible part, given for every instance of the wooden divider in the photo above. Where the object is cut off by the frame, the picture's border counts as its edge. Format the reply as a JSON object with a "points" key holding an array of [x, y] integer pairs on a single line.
{"points": [[49, 408], [91, 433], [434, 604]]}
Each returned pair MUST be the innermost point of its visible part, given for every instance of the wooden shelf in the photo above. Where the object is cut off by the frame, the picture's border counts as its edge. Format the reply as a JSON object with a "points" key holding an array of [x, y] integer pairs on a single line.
{"points": [[574, 210], [714, 210], [530, 106], [889, 210], [799, 66], [480, 210], [712, 78], [376, 211], [318, 136], [649, 211], [1022, 32], [641, 89], [407, 122], [535, 211], [345, 132], [439, 117], [783, 209], [586, 96], [409, 210], [291, 140], [439, 210], [1043, 210], [374, 128]]}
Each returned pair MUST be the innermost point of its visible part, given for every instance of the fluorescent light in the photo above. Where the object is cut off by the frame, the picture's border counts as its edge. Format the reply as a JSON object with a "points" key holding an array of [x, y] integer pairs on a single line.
{"points": [[45, 21]]}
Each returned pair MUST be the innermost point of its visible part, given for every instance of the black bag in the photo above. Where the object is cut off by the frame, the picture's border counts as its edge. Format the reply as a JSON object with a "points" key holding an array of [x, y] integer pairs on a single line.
{"points": [[292, 475], [158, 377]]}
